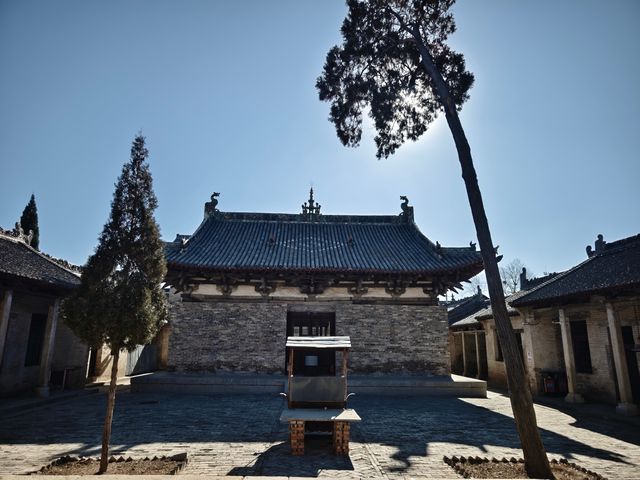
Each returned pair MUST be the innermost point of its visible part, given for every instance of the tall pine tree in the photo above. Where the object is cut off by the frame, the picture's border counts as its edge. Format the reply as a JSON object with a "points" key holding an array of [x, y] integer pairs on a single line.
{"points": [[395, 63], [29, 221], [120, 302]]}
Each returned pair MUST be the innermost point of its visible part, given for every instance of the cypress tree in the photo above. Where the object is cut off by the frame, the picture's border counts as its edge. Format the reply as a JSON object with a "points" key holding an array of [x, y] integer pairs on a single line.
{"points": [[29, 221], [120, 302]]}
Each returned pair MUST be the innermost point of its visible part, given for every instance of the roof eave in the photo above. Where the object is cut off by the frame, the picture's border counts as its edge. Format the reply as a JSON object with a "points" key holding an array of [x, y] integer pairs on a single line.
{"points": [[20, 282], [576, 296], [470, 268]]}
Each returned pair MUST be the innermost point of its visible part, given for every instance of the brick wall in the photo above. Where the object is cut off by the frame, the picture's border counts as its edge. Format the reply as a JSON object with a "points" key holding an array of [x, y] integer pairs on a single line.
{"points": [[72, 354], [396, 338], [600, 383], [496, 374], [544, 341], [229, 336]]}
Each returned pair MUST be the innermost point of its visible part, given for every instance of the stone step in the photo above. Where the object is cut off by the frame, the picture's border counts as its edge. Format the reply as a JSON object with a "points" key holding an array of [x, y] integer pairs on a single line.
{"points": [[394, 385]]}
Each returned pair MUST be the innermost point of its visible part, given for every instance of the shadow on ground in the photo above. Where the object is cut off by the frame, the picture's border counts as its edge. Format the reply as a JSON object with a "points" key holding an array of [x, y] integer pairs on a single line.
{"points": [[412, 424], [278, 461], [249, 423]]}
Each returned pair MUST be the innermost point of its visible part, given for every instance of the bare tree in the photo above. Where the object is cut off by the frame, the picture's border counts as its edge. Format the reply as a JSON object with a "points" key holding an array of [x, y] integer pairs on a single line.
{"points": [[476, 284], [510, 274]]}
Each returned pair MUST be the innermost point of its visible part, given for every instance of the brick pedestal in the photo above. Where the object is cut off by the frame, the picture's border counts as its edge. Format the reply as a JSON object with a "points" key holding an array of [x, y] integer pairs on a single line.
{"points": [[296, 432], [341, 438]]}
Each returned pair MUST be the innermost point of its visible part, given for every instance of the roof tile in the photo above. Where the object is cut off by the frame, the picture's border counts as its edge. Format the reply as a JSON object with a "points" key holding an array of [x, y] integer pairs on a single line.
{"points": [[333, 243], [20, 261], [616, 267]]}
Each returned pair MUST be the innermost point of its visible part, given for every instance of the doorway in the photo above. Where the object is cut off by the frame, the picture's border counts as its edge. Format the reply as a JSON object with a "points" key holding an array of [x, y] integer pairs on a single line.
{"points": [[311, 324], [632, 362]]}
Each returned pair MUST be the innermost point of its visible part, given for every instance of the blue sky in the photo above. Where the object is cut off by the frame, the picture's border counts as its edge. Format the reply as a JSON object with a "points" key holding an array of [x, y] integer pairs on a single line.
{"points": [[224, 91]]}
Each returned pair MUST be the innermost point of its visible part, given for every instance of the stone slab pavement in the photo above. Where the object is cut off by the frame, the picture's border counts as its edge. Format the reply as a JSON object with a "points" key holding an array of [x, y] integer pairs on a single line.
{"points": [[240, 435]]}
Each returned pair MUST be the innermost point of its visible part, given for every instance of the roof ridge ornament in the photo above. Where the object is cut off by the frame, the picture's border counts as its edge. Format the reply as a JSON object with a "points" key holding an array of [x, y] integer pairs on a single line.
{"points": [[599, 244], [21, 236], [210, 207], [311, 208], [407, 211]]}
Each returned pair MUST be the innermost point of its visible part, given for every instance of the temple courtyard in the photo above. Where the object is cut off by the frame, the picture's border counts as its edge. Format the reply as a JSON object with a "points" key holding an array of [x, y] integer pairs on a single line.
{"points": [[240, 435]]}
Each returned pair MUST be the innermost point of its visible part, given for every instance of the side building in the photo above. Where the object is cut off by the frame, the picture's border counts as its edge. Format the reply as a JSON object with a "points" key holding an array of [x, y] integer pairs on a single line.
{"points": [[586, 321], [249, 280], [37, 351], [578, 331]]}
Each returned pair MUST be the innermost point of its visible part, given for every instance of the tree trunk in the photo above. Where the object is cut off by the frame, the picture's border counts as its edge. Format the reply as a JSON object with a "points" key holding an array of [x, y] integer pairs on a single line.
{"points": [[111, 400], [535, 457]]}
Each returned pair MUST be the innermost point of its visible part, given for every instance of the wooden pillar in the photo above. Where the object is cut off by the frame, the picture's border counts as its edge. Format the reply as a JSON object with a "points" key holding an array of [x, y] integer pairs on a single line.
{"points": [[478, 364], [626, 405], [345, 362], [464, 356], [296, 433], [47, 349], [341, 438], [5, 311], [528, 320], [569, 360], [289, 376]]}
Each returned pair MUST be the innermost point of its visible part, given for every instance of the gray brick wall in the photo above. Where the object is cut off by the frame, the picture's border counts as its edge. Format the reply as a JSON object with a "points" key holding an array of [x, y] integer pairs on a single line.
{"points": [[230, 336], [227, 337], [600, 385], [395, 338], [71, 354]]}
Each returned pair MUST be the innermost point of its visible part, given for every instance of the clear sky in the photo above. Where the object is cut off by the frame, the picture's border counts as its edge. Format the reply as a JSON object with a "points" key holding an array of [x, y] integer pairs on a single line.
{"points": [[225, 93]]}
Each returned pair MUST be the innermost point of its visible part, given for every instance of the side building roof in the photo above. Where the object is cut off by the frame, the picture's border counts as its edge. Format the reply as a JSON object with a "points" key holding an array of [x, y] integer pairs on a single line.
{"points": [[486, 312], [324, 244], [612, 268], [20, 263], [466, 309]]}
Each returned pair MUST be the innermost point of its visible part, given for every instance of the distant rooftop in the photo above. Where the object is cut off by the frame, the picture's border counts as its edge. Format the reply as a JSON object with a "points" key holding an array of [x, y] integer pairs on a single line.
{"points": [[610, 268], [19, 262], [467, 308]]}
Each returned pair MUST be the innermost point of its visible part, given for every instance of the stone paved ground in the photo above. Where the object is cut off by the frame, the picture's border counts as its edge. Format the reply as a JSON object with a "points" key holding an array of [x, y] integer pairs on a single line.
{"points": [[240, 435]]}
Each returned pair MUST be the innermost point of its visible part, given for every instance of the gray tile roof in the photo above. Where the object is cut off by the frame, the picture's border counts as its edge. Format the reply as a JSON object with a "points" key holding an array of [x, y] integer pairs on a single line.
{"points": [[250, 242], [486, 312], [20, 262], [467, 308], [615, 268], [469, 321]]}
